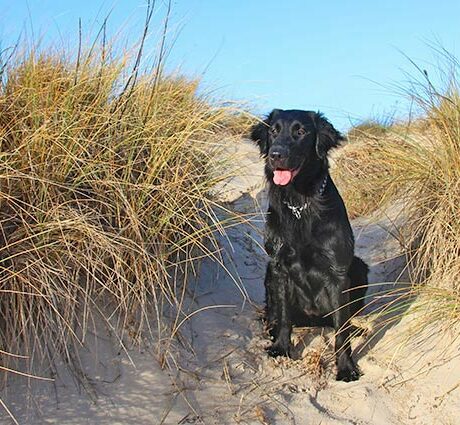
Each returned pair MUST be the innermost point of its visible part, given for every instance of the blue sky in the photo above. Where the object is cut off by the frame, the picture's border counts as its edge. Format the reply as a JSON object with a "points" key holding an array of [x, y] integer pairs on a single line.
{"points": [[341, 57]]}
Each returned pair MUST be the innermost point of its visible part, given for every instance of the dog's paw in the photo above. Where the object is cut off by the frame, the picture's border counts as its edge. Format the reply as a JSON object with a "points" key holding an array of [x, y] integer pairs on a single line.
{"points": [[349, 373], [276, 350]]}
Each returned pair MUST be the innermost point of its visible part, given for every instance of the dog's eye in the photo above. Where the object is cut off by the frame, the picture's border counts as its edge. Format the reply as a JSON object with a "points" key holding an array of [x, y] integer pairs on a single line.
{"points": [[273, 131], [301, 132]]}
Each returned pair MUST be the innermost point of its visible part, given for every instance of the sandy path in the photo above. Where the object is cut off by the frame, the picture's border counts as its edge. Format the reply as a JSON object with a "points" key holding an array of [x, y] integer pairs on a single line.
{"points": [[226, 378]]}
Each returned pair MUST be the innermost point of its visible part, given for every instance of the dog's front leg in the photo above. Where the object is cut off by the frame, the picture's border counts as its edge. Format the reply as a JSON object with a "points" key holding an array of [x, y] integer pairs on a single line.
{"points": [[346, 369], [270, 306], [277, 286]]}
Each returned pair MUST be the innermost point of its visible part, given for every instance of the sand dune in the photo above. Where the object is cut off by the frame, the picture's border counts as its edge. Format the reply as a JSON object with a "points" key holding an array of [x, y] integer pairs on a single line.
{"points": [[224, 376]]}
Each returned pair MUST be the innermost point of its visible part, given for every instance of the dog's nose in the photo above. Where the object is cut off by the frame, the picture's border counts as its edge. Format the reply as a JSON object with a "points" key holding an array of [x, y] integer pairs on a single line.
{"points": [[278, 153]]}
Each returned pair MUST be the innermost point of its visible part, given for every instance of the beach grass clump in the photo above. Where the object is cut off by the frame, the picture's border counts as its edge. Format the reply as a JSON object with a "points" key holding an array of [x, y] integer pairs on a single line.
{"points": [[105, 199], [366, 128], [359, 168], [416, 166]]}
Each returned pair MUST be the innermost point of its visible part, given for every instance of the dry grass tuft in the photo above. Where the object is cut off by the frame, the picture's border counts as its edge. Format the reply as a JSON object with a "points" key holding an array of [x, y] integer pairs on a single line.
{"points": [[417, 166], [237, 122], [367, 128], [105, 200], [359, 168]]}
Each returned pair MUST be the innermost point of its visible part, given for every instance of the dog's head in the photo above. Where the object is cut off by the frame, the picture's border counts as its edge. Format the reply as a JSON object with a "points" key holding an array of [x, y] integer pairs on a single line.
{"points": [[293, 140]]}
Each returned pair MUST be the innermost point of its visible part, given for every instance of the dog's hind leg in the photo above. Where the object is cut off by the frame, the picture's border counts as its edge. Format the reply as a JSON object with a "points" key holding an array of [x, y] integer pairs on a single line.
{"points": [[346, 369]]}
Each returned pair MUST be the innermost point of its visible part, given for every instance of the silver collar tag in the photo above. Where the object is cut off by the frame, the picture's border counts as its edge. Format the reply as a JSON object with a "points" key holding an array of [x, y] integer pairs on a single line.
{"points": [[297, 211]]}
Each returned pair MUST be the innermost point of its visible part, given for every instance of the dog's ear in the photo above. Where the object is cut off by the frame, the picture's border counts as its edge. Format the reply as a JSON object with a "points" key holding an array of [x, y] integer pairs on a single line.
{"points": [[327, 136], [259, 133]]}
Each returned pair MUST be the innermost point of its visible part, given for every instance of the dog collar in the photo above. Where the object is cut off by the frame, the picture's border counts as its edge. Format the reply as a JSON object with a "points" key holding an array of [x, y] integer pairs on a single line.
{"points": [[297, 211]]}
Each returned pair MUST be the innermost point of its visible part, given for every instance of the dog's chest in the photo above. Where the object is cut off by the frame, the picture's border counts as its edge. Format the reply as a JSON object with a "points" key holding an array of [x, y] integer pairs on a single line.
{"points": [[308, 281], [305, 259], [299, 233]]}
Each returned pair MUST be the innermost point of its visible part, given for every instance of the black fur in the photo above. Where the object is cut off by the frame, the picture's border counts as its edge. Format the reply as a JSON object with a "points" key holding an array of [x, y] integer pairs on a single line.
{"points": [[312, 269]]}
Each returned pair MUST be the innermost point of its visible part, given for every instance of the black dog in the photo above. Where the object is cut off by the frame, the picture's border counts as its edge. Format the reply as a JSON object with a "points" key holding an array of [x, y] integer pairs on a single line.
{"points": [[312, 272]]}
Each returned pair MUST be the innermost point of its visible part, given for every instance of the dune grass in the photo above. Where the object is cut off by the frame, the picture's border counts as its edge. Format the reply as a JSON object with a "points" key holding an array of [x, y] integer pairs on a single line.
{"points": [[417, 166], [105, 200], [366, 128]]}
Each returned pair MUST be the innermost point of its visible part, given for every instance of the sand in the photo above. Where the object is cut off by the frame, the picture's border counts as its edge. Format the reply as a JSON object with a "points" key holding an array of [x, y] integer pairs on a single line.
{"points": [[225, 377]]}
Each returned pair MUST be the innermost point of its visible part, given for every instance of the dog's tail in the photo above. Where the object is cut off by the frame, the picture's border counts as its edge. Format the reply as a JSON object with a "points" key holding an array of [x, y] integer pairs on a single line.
{"points": [[358, 277]]}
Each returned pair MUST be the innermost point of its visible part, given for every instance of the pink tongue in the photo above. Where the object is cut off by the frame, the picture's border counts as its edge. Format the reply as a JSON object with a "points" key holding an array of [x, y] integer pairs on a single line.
{"points": [[282, 177]]}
